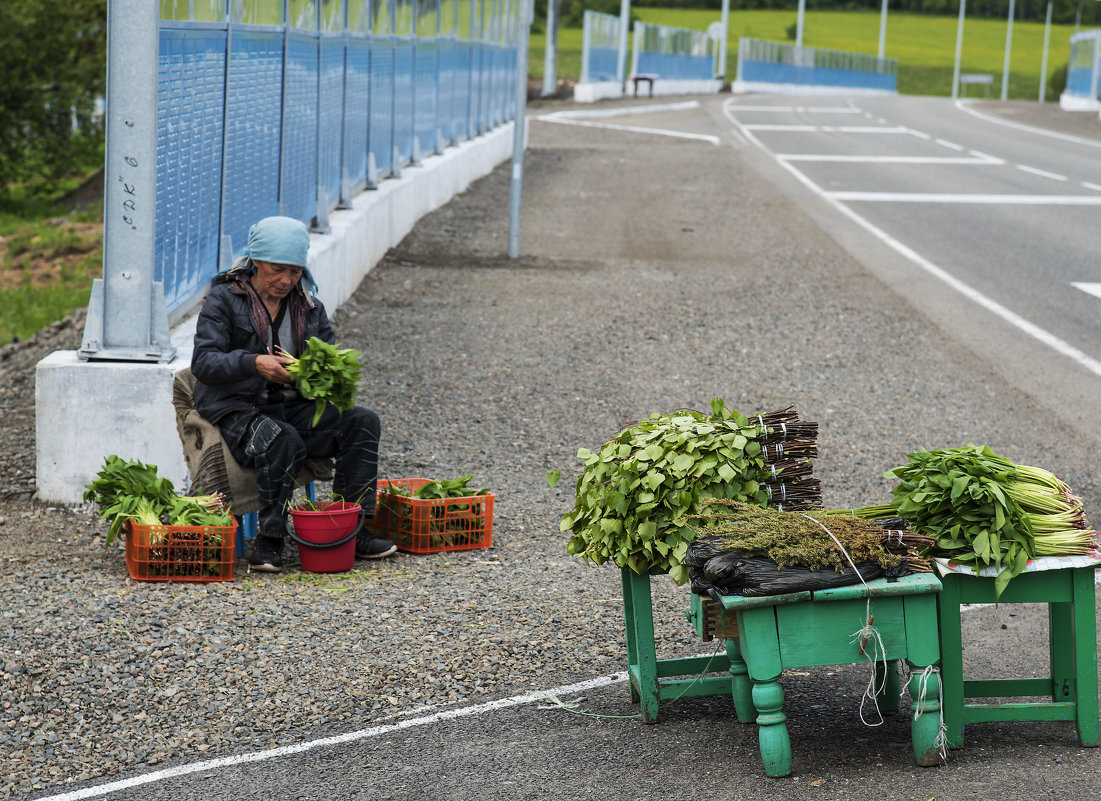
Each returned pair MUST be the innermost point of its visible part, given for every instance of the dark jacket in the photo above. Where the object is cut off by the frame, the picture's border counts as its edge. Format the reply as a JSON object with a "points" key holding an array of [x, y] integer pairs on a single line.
{"points": [[226, 346]]}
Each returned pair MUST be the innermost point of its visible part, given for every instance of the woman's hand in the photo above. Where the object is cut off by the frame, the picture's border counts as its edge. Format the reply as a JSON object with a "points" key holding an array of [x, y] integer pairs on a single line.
{"points": [[271, 368]]}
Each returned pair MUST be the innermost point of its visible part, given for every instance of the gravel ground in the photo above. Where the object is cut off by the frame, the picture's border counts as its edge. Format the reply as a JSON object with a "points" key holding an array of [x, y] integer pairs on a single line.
{"points": [[655, 274]]}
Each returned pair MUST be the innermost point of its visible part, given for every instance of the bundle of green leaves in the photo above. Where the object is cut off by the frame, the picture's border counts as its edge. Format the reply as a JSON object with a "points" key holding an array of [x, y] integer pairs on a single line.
{"points": [[635, 493], [129, 490], [983, 510], [326, 373], [435, 490]]}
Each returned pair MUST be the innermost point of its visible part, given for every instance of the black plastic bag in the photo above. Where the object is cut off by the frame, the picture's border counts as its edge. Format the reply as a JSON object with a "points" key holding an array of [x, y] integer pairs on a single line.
{"points": [[735, 573]]}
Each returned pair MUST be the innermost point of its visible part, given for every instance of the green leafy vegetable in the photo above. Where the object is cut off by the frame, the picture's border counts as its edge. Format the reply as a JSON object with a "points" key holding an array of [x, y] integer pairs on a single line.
{"points": [[326, 373], [129, 490], [635, 493]]}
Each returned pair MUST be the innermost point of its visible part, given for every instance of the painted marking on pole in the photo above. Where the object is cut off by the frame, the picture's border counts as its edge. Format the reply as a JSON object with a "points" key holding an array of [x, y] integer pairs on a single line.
{"points": [[935, 197], [1042, 173], [340, 739], [1012, 318]]}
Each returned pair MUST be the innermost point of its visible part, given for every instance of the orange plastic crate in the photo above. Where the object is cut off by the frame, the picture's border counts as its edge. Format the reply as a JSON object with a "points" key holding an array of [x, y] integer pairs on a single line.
{"points": [[432, 525], [180, 553]]}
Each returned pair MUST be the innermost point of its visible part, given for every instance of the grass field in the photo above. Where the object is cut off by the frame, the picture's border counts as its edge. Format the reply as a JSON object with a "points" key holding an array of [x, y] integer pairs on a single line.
{"points": [[924, 46]]}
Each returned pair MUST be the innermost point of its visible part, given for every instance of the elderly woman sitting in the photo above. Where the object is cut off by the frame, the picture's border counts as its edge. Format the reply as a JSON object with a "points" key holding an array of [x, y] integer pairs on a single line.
{"points": [[266, 304]]}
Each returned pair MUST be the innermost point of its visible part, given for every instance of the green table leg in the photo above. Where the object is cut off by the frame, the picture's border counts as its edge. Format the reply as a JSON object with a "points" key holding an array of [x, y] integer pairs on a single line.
{"points": [[951, 658], [772, 729], [925, 707], [890, 687], [1085, 656], [741, 685], [642, 662]]}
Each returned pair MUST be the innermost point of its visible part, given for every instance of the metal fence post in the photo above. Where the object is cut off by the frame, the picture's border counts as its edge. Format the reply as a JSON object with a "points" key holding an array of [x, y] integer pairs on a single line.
{"points": [[127, 315], [517, 184]]}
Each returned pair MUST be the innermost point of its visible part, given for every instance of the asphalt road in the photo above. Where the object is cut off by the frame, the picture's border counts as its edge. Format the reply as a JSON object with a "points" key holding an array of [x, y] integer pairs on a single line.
{"points": [[987, 225], [525, 746]]}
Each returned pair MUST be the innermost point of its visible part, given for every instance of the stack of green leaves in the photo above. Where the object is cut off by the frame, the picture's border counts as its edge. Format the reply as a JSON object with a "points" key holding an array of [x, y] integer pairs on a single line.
{"points": [[635, 493], [326, 373], [447, 488], [983, 510], [129, 490]]}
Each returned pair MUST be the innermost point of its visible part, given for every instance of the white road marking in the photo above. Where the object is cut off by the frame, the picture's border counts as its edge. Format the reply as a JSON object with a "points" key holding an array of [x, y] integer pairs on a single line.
{"points": [[1088, 185], [1042, 173], [949, 145], [633, 128], [935, 197], [800, 128], [809, 109], [1092, 289], [969, 292], [619, 111], [964, 106], [363, 734], [888, 159]]}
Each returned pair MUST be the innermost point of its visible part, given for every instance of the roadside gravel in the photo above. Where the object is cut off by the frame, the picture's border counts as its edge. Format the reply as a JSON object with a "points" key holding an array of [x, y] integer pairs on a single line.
{"points": [[655, 274]]}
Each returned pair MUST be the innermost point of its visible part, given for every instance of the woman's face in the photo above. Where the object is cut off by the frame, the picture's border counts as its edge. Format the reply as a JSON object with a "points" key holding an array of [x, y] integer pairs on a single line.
{"points": [[275, 281]]}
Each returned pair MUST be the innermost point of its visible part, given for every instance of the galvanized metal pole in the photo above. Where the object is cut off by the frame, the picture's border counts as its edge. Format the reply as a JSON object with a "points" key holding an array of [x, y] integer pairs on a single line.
{"points": [[550, 53], [621, 56], [883, 29], [1043, 60], [127, 317], [799, 23], [959, 49], [725, 22], [520, 129], [1008, 47]]}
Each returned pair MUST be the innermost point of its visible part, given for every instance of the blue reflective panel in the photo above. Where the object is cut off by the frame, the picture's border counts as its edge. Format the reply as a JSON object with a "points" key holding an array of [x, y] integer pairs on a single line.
{"points": [[381, 136], [403, 100], [424, 104], [252, 131], [331, 122], [357, 109], [298, 188], [189, 160]]}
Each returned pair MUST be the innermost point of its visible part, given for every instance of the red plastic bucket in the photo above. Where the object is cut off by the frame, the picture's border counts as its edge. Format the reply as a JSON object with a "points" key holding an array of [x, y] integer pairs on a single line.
{"points": [[327, 537]]}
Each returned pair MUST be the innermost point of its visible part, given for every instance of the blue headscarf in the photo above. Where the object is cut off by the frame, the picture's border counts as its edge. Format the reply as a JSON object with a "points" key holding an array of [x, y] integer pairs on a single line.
{"points": [[280, 240]]}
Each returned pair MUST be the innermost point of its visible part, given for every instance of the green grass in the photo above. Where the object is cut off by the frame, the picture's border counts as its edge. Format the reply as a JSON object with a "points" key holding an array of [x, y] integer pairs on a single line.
{"points": [[925, 46], [48, 257]]}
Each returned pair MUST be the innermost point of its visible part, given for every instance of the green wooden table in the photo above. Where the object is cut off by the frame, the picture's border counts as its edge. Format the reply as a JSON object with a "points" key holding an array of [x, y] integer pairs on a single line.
{"points": [[1072, 643], [654, 680], [814, 628]]}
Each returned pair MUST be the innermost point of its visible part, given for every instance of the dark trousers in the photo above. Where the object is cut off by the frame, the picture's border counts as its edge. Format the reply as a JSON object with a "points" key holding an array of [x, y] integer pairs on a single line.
{"points": [[277, 439]]}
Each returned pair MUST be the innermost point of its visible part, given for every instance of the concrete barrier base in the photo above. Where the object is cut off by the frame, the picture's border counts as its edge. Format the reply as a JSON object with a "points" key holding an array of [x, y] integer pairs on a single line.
{"points": [[87, 410]]}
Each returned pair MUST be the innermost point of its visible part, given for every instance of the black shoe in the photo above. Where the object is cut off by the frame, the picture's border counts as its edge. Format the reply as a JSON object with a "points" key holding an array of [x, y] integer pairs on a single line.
{"points": [[266, 555], [373, 548]]}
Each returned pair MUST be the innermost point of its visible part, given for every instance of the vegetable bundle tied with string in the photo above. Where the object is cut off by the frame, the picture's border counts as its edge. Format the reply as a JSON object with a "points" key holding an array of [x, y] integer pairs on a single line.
{"points": [[325, 373], [982, 510], [635, 493], [742, 549]]}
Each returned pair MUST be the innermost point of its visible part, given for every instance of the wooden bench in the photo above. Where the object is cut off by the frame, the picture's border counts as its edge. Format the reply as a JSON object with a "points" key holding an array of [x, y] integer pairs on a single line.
{"points": [[645, 77], [977, 79]]}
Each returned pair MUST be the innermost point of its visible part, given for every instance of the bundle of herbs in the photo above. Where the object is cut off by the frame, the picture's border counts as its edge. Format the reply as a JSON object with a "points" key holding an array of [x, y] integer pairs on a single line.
{"points": [[129, 490], [635, 493], [982, 510], [325, 373], [455, 518], [743, 549]]}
